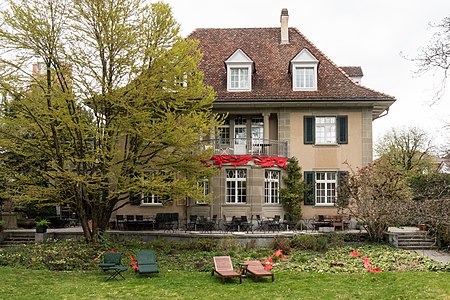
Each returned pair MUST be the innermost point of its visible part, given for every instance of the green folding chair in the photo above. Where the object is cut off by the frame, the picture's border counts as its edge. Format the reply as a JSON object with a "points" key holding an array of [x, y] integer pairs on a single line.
{"points": [[146, 262]]}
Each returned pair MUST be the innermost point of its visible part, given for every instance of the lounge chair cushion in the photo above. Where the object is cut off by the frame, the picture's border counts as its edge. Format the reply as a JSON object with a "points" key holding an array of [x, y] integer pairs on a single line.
{"points": [[256, 268]]}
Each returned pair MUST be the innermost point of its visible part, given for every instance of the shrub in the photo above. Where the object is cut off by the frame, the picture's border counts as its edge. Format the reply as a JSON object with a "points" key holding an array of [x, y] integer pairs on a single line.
{"points": [[282, 244], [310, 242]]}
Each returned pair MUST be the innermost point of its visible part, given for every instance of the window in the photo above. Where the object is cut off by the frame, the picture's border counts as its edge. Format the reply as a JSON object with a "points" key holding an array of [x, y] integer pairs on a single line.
{"points": [[272, 187], [224, 134], [325, 130], [239, 72], [150, 199], [304, 71], [304, 78], [326, 185], [239, 79], [236, 185], [203, 185], [322, 186]]}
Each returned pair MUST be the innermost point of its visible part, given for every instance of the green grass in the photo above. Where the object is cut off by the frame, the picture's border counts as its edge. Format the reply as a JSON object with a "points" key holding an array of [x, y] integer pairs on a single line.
{"points": [[19, 283]]}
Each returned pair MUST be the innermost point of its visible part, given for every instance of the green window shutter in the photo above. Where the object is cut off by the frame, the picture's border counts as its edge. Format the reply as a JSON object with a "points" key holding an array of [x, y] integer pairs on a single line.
{"points": [[309, 129], [343, 193], [135, 198], [310, 187], [342, 129]]}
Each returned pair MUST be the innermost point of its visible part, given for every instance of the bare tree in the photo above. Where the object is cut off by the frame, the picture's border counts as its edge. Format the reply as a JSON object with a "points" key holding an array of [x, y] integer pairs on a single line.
{"points": [[376, 196], [436, 55]]}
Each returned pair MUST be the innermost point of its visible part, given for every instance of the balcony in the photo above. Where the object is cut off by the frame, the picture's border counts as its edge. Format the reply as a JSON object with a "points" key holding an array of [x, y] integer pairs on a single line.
{"points": [[256, 147]]}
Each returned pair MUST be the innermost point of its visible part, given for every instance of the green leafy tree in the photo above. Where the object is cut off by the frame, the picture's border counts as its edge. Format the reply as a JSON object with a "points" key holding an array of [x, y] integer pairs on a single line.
{"points": [[292, 196], [117, 108], [408, 149]]}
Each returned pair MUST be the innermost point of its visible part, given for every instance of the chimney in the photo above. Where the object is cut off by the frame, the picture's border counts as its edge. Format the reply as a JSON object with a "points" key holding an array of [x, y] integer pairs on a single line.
{"points": [[284, 26]]}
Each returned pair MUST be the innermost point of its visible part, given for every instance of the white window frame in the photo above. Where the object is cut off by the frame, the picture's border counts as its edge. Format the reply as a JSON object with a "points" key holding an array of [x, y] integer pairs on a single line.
{"points": [[325, 130], [272, 187], [150, 200], [239, 61], [303, 79], [236, 186], [240, 87], [325, 188], [304, 59], [203, 184]]}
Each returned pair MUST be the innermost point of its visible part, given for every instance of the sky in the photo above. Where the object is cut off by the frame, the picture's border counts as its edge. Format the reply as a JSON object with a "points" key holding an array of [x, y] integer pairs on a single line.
{"points": [[378, 35]]}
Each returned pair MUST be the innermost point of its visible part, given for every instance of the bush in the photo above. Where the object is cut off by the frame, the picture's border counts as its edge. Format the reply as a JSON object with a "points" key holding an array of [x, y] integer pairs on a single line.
{"points": [[310, 242], [282, 244]]}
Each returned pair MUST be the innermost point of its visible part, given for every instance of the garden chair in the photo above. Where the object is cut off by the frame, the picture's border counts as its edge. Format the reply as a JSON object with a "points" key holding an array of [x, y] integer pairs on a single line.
{"points": [[255, 268], [112, 263], [146, 262], [110, 259], [224, 268]]}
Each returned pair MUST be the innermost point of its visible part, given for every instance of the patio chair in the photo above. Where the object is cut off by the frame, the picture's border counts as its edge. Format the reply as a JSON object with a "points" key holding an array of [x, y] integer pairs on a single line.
{"points": [[146, 262], [110, 259], [112, 262], [192, 224], [224, 268], [255, 268]]}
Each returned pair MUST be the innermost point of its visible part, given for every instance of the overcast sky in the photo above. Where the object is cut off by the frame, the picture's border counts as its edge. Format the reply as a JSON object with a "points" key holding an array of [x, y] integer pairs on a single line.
{"points": [[375, 35]]}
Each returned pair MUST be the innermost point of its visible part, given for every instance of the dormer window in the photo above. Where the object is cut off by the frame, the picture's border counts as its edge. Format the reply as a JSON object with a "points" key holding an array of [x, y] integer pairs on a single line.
{"points": [[239, 72], [304, 71], [239, 78]]}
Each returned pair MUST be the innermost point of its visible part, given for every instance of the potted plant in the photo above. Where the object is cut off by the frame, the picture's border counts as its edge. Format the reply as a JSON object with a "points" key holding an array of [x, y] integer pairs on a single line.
{"points": [[42, 225], [2, 225]]}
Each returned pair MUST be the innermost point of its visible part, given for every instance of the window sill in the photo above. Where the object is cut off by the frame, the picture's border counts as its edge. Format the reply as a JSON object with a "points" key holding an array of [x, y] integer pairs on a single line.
{"points": [[326, 145], [151, 204], [325, 205]]}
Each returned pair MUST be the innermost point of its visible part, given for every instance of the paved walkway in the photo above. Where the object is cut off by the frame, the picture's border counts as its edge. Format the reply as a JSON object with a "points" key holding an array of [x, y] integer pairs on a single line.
{"points": [[437, 255]]}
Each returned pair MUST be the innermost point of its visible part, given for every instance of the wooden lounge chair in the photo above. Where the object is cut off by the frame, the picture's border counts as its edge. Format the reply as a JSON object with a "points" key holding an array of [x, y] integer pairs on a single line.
{"points": [[224, 268], [146, 262], [255, 268]]}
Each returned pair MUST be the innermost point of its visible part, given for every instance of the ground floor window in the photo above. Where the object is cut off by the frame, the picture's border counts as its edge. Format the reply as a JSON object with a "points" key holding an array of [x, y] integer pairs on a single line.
{"points": [[236, 186], [323, 186], [272, 187], [326, 185], [149, 199]]}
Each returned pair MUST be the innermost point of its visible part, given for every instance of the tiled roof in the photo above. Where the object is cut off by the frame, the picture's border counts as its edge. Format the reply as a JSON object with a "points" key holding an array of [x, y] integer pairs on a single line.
{"points": [[272, 79], [353, 71]]}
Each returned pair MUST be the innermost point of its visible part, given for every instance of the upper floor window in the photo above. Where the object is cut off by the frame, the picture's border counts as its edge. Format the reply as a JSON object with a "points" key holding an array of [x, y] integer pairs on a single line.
{"points": [[239, 79], [304, 77], [239, 71], [326, 130], [304, 71]]}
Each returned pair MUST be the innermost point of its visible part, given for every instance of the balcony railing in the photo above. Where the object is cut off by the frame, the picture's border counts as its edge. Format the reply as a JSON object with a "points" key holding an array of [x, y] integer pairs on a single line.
{"points": [[260, 147]]}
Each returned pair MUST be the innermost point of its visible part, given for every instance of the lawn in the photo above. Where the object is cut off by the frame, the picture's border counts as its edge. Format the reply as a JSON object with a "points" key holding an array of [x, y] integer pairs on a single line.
{"points": [[19, 283], [322, 267]]}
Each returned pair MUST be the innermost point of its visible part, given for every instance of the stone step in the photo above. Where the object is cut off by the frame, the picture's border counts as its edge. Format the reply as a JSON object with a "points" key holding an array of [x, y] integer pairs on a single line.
{"points": [[415, 239], [413, 247]]}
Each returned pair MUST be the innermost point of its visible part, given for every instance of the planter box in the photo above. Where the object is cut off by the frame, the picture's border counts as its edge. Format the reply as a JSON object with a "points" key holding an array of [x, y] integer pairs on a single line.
{"points": [[41, 229]]}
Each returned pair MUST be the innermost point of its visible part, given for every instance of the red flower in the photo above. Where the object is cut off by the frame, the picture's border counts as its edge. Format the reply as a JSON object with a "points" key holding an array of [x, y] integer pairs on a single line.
{"points": [[354, 253], [133, 263]]}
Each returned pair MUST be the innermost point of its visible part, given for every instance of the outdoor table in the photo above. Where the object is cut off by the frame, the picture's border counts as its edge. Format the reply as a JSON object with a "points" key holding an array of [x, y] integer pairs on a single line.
{"points": [[243, 267]]}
